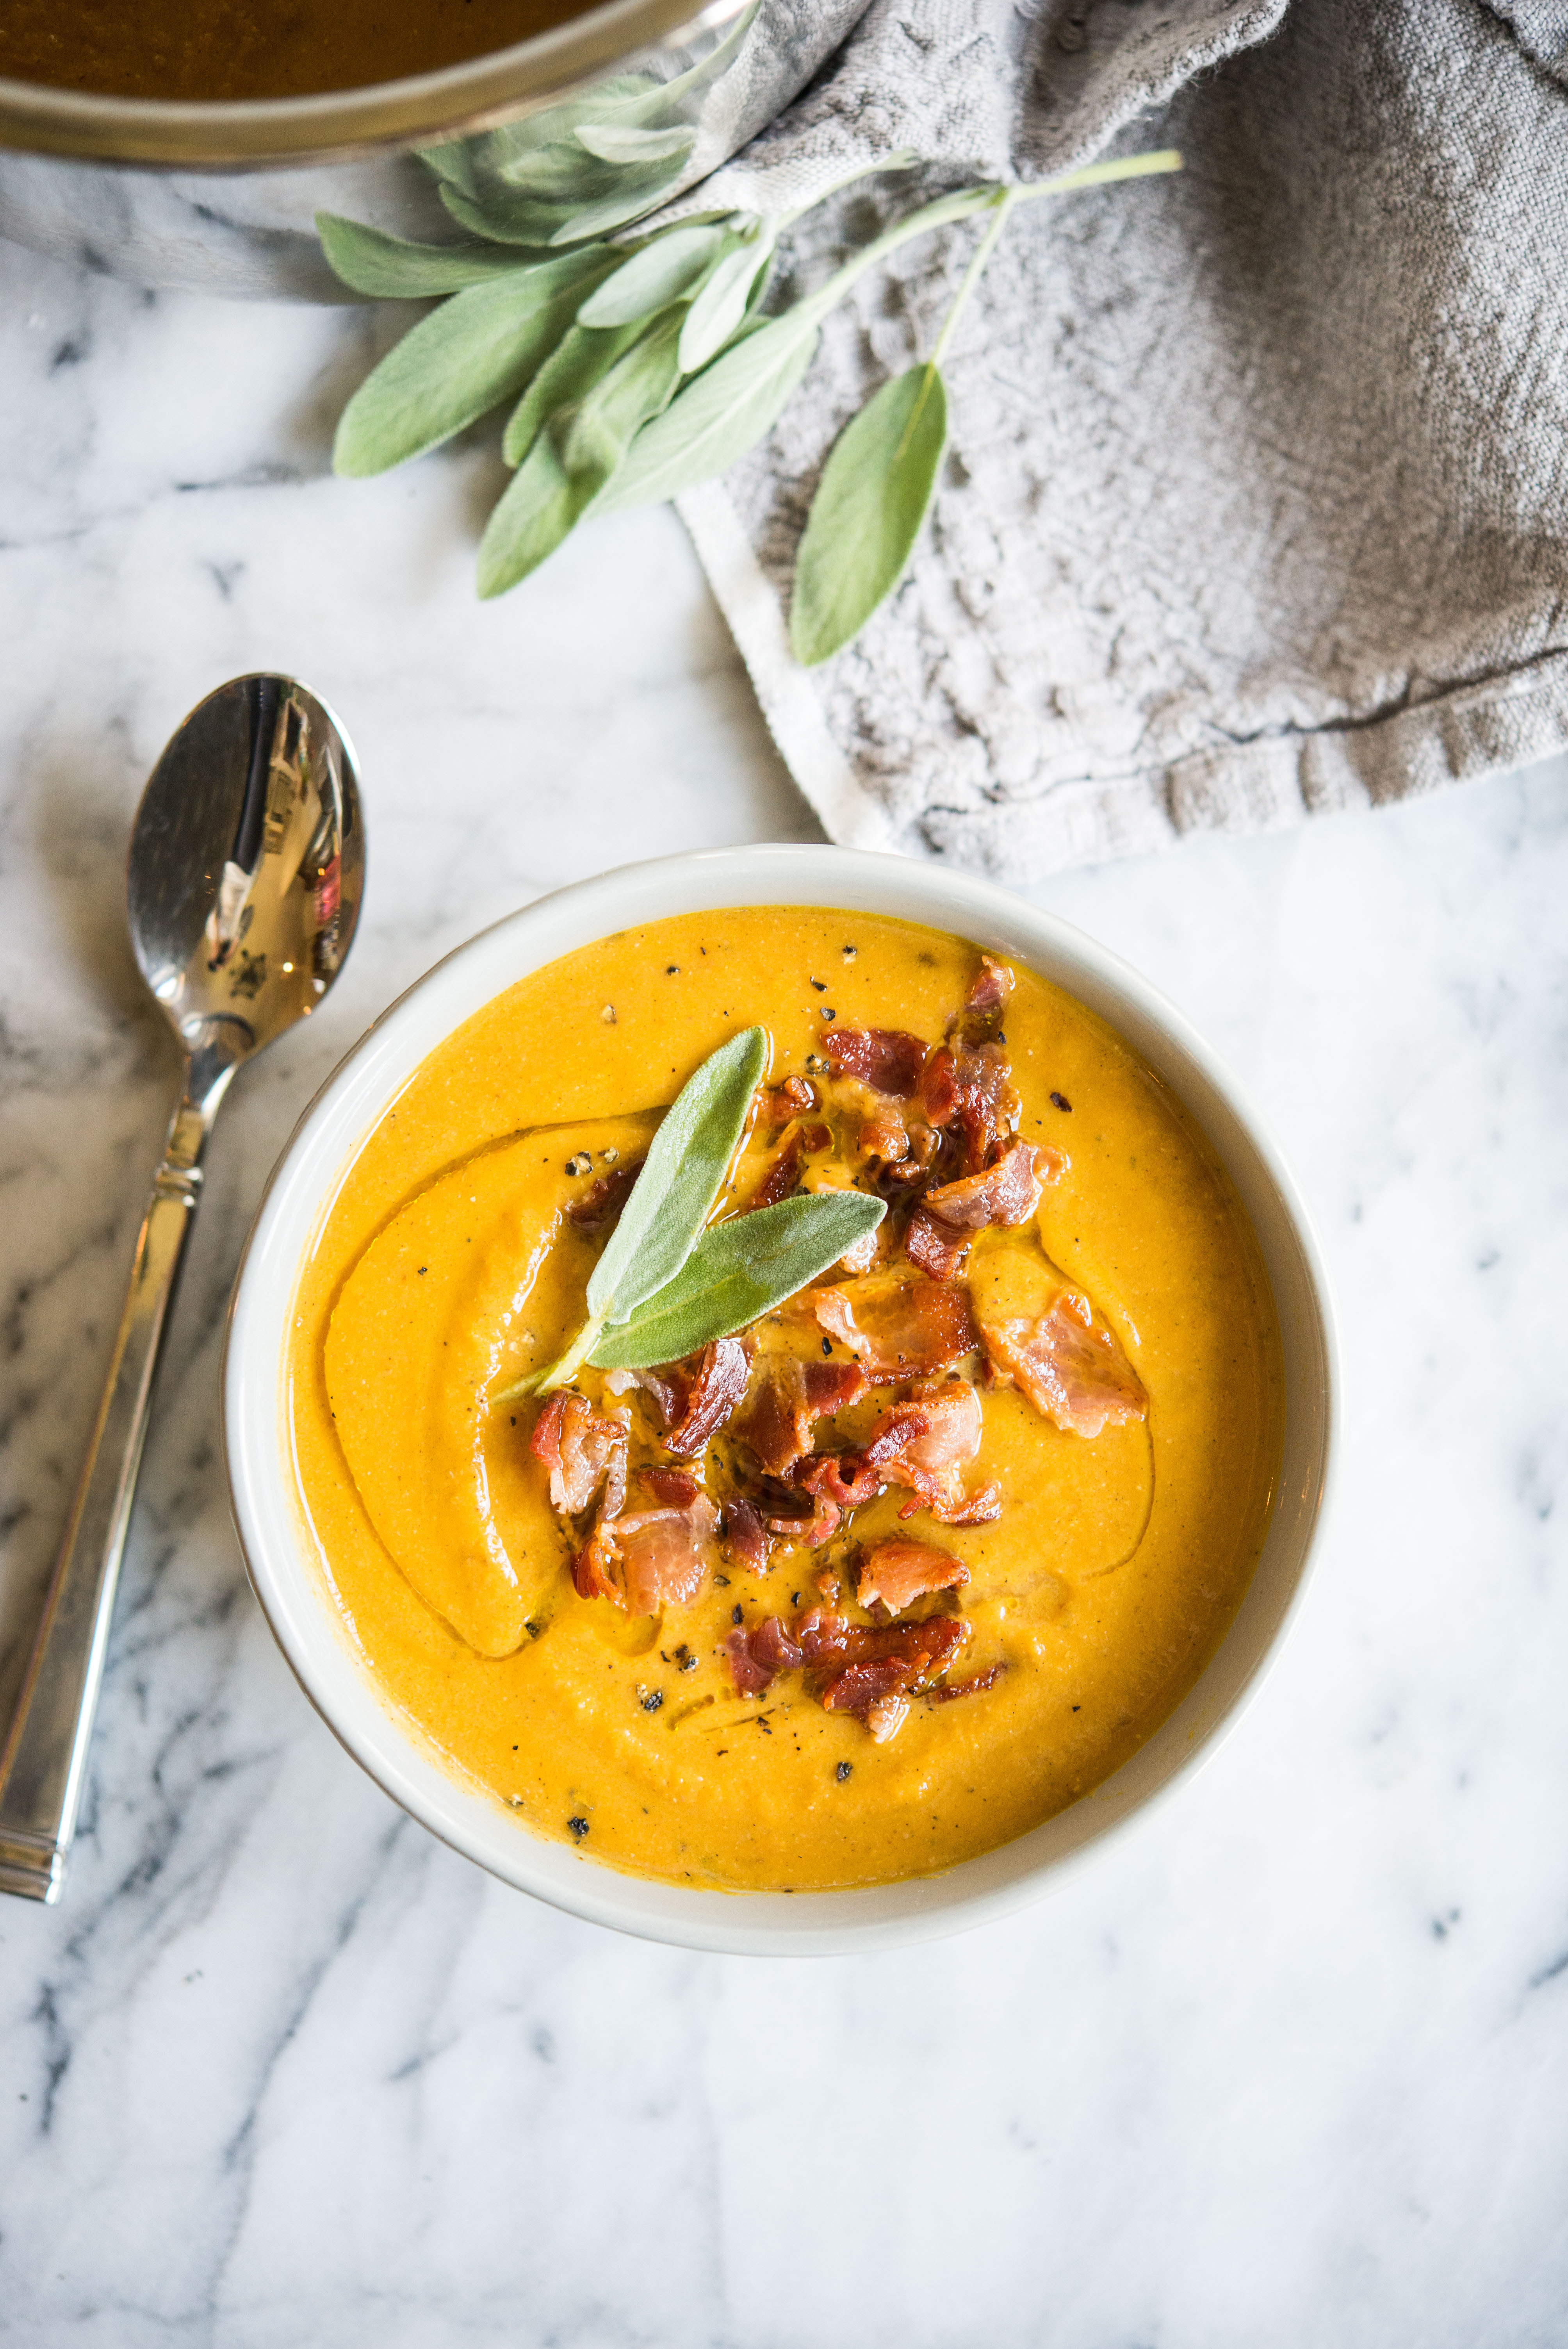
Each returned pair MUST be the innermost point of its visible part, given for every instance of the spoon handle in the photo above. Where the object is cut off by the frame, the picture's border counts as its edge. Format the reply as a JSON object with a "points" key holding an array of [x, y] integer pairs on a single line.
{"points": [[43, 1765]]}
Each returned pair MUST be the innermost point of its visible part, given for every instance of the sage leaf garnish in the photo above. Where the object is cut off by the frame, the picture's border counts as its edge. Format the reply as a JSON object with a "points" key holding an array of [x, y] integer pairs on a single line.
{"points": [[661, 272], [866, 512], [740, 1270], [391, 268], [645, 368], [479, 349], [671, 1200]]}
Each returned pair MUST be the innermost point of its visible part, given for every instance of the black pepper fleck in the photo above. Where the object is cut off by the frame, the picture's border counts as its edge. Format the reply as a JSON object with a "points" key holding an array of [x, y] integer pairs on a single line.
{"points": [[688, 1663], [653, 1699], [843, 1772], [820, 985], [828, 1014], [1060, 1101], [722, 1581], [736, 1616], [671, 969], [827, 1349], [424, 1268], [579, 1827]]}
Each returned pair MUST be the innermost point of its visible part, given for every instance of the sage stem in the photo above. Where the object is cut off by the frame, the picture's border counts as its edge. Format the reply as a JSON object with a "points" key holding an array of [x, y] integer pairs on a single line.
{"points": [[1004, 202], [559, 1373], [1099, 175]]}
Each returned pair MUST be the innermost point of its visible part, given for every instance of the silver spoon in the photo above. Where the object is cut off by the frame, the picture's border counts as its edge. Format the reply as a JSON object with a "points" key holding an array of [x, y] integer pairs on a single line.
{"points": [[247, 865]]}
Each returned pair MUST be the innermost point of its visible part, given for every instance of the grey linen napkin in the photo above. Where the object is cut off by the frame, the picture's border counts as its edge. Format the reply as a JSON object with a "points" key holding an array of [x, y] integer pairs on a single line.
{"points": [[1254, 502]]}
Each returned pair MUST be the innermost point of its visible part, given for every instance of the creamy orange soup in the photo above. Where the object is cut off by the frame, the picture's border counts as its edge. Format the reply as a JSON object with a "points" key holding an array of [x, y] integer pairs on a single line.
{"points": [[1089, 1577]]}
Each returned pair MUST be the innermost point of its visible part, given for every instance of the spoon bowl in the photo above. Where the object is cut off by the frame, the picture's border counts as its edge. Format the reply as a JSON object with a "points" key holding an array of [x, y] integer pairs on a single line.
{"points": [[247, 868], [247, 861]]}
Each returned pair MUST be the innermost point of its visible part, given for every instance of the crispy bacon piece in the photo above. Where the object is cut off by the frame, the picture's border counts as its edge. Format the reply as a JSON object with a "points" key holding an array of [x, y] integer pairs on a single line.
{"points": [[871, 1673], [970, 1086], [889, 1060], [592, 1574], [948, 1690], [810, 1531], [746, 1535], [876, 1692], [665, 1555], [845, 1478], [882, 1133], [717, 1382], [756, 1657], [592, 1568], [667, 1388], [792, 1397], [993, 985], [937, 1434], [782, 1176], [777, 1104], [577, 1447], [748, 1675], [896, 1573], [881, 1668], [673, 1486], [603, 1201], [925, 1648], [904, 1329], [1077, 1375], [1003, 1196]]}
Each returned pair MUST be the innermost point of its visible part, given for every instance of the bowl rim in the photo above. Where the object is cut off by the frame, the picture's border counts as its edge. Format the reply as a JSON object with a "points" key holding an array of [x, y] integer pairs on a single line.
{"points": [[334, 126], [269, 1511]]}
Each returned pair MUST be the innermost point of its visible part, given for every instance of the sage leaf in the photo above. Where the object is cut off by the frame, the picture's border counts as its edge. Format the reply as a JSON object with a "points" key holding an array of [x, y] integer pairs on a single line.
{"points": [[454, 161], [572, 368], [482, 346], [595, 436], [663, 271], [671, 1198], [721, 414], [639, 190], [866, 516], [670, 1201], [540, 506], [392, 269], [740, 1270], [621, 143], [570, 461], [721, 304]]}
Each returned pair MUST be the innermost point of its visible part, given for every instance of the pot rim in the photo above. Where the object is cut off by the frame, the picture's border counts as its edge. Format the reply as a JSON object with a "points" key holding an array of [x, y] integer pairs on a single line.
{"points": [[334, 126], [291, 1581]]}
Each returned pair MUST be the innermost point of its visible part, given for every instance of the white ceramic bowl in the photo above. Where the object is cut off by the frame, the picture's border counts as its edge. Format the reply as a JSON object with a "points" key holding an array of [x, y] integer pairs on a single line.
{"points": [[277, 1544]]}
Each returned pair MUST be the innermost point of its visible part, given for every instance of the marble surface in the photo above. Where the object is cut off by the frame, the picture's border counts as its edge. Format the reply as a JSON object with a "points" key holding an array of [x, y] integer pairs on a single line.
{"points": [[1289, 2066]]}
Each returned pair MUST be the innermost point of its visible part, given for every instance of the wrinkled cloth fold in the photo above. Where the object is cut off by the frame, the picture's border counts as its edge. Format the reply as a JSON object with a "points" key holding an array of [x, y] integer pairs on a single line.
{"points": [[1253, 505]]}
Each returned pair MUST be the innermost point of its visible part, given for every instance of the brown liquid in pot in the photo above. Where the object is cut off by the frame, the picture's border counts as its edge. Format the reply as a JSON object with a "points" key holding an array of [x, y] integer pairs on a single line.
{"points": [[218, 49]]}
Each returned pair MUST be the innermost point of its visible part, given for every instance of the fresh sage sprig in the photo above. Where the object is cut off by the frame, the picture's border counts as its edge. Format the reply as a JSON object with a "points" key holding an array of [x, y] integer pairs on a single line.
{"points": [[642, 367], [740, 1270], [668, 1281]]}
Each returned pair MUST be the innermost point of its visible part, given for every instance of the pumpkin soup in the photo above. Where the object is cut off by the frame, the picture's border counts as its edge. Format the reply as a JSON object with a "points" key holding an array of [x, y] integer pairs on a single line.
{"points": [[216, 50], [813, 1500]]}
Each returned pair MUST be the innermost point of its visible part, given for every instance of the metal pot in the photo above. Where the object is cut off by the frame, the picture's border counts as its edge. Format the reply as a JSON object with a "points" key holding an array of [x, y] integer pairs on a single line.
{"points": [[577, 132]]}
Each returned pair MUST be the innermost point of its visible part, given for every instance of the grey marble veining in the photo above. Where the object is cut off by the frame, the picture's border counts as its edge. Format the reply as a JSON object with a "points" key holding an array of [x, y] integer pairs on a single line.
{"points": [[1287, 2067]]}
